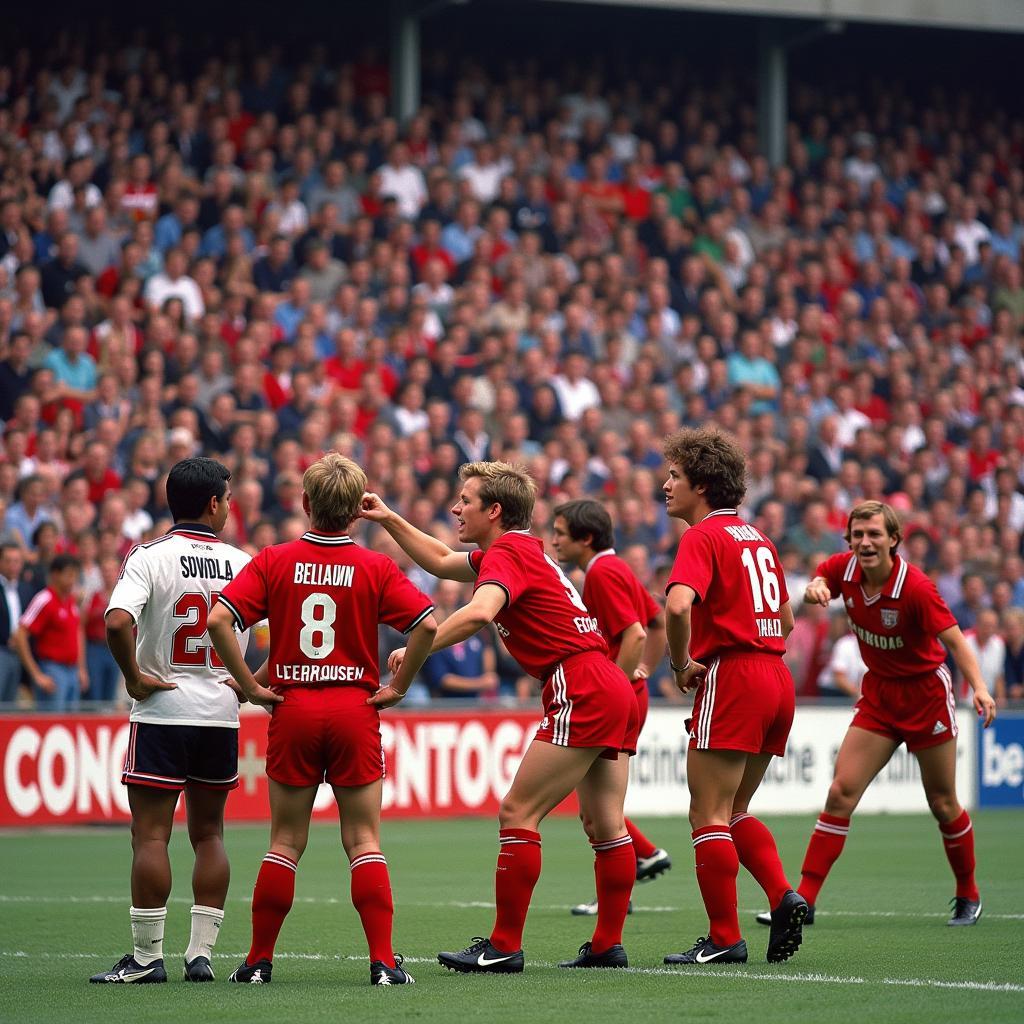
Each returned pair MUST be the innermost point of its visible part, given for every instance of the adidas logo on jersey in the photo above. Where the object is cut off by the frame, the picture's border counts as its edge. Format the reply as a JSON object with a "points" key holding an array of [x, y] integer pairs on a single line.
{"points": [[939, 728]]}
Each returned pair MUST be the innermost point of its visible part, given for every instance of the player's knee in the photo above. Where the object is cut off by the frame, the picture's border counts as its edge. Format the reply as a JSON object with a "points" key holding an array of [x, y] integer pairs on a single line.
{"points": [[842, 798], [588, 826], [944, 805], [512, 813]]}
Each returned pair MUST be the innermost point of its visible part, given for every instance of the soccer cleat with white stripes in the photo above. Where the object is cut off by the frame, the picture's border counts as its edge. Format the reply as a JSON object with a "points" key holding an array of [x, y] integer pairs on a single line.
{"points": [[965, 912], [648, 868], [381, 974], [252, 974], [128, 971]]}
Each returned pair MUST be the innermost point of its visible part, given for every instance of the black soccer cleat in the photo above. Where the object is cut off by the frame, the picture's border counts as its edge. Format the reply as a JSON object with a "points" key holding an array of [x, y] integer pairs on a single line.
{"points": [[128, 971], [590, 909], [252, 974], [482, 958], [787, 927], [381, 974], [648, 868], [766, 916], [704, 951], [613, 956], [198, 970], [965, 912]]}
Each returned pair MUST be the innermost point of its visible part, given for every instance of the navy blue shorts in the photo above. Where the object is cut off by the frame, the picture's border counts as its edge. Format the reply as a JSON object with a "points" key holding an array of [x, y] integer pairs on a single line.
{"points": [[173, 756]]}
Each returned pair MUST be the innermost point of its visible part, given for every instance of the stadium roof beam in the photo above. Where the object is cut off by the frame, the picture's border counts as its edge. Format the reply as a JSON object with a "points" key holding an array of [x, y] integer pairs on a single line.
{"points": [[406, 16]]}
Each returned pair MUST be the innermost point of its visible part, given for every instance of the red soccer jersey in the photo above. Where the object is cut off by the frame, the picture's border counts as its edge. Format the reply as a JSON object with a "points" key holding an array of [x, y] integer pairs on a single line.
{"points": [[324, 597], [53, 624], [544, 620], [735, 572], [616, 598], [898, 628]]}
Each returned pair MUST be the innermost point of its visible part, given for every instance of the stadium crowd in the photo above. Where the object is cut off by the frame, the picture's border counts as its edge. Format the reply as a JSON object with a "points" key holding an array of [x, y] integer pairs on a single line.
{"points": [[250, 259]]}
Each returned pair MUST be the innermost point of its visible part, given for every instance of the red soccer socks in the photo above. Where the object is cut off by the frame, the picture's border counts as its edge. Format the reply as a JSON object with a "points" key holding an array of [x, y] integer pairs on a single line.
{"points": [[827, 841], [642, 846], [271, 901], [615, 871], [514, 879], [717, 868], [755, 847], [958, 841], [371, 896]]}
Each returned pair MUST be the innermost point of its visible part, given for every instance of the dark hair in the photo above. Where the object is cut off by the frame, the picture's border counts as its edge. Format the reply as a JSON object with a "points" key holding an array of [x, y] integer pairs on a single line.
{"points": [[62, 562], [584, 518], [712, 459], [192, 483]]}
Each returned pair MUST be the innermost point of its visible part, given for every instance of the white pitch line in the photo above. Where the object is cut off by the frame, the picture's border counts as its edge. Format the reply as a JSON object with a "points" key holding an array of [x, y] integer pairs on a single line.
{"points": [[727, 974]]}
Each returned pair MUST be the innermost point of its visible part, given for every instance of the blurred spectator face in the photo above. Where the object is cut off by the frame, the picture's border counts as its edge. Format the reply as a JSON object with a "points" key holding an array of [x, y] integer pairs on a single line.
{"points": [[12, 561]]}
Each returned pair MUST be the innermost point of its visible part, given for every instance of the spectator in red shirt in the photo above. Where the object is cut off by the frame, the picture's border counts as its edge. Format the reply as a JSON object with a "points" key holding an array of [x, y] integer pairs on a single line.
{"points": [[52, 626], [98, 472]]}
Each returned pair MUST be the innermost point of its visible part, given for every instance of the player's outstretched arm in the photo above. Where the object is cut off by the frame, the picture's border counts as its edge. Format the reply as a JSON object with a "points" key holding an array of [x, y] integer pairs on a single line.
{"points": [[432, 554], [220, 626], [984, 703], [817, 592], [416, 652]]}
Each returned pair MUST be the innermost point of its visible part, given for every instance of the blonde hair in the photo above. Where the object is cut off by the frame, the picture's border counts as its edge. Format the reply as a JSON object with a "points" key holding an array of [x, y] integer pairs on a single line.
{"points": [[335, 486], [867, 509], [508, 485]]}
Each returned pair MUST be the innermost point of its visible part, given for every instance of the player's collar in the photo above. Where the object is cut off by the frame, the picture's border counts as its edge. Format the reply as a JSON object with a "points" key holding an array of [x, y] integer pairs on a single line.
{"points": [[329, 540], [893, 585], [194, 530], [600, 554], [721, 512]]}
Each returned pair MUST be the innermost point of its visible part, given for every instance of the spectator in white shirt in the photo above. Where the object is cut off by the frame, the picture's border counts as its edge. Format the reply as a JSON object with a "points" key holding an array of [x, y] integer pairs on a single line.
{"points": [[990, 650], [484, 173], [404, 181], [173, 282], [845, 669], [969, 232], [575, 390]]}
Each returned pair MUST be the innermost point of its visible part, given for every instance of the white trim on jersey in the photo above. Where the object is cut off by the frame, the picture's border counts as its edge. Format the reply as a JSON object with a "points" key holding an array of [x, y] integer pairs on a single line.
{"points": [[419, 618], [563, 716], [600, 554], [721, 512], [35, 606], [327, 540], [850, 566], [707, 706], [901, 578]]}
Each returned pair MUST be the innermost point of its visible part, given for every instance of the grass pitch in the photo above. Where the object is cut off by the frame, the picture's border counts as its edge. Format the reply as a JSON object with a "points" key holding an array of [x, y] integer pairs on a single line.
{"points": [[879, 948]]}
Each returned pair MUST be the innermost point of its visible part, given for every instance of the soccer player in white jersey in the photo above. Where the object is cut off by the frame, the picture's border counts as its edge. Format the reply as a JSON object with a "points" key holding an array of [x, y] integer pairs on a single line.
{"points": [[184, 717]]}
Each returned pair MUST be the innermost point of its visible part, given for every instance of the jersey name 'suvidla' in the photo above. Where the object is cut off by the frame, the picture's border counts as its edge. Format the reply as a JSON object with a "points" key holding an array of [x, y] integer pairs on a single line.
{"points": [[168, 587]]}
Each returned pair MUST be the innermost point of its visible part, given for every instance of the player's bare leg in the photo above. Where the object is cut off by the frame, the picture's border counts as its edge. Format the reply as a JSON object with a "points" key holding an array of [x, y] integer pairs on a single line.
{"points": [[546, 776], [757, 852], [602, 792], [152, 820], [714, 778], [211, 874], [359, 810], [290, 811], [938, 775]]}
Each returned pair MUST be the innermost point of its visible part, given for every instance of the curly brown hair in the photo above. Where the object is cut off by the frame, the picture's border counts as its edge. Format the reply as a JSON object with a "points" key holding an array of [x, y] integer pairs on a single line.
{"points": [[712, 459]]}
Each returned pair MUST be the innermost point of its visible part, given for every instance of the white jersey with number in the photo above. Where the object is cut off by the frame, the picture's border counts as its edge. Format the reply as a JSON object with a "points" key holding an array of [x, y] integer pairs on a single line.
{"points": [[168, 587]]}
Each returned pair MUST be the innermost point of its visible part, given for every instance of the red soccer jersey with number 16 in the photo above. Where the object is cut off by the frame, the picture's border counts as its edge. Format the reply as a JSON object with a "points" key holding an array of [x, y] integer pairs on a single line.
{"points": [[735, 571], [324, 597]]}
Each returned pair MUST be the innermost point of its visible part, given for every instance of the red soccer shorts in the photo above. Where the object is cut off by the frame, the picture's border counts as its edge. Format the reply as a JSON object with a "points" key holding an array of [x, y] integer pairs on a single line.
{"points": [[745, 703], [324, 733], [589, 702], [919, 711]]}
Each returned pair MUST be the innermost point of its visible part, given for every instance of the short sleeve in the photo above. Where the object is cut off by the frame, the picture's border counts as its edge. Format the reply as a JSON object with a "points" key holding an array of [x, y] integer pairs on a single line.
{"points": [[401, 604], [36, 616], [832, 570], [694, 563], [476, 556], [927, 606], [502, 568], [134, 586], [246, 596]]}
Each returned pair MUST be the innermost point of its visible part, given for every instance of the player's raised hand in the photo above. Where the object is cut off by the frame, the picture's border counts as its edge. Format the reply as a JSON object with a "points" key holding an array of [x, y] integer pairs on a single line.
{"points": [[985, 705], [691, 677], [386, 697], [145, 686], [373, 508], [817, 592], [395, 659]]}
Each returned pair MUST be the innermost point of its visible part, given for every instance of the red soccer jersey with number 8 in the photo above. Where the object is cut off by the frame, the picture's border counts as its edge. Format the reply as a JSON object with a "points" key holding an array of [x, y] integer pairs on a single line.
{"points": [[324, 597], [735, 571]]}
